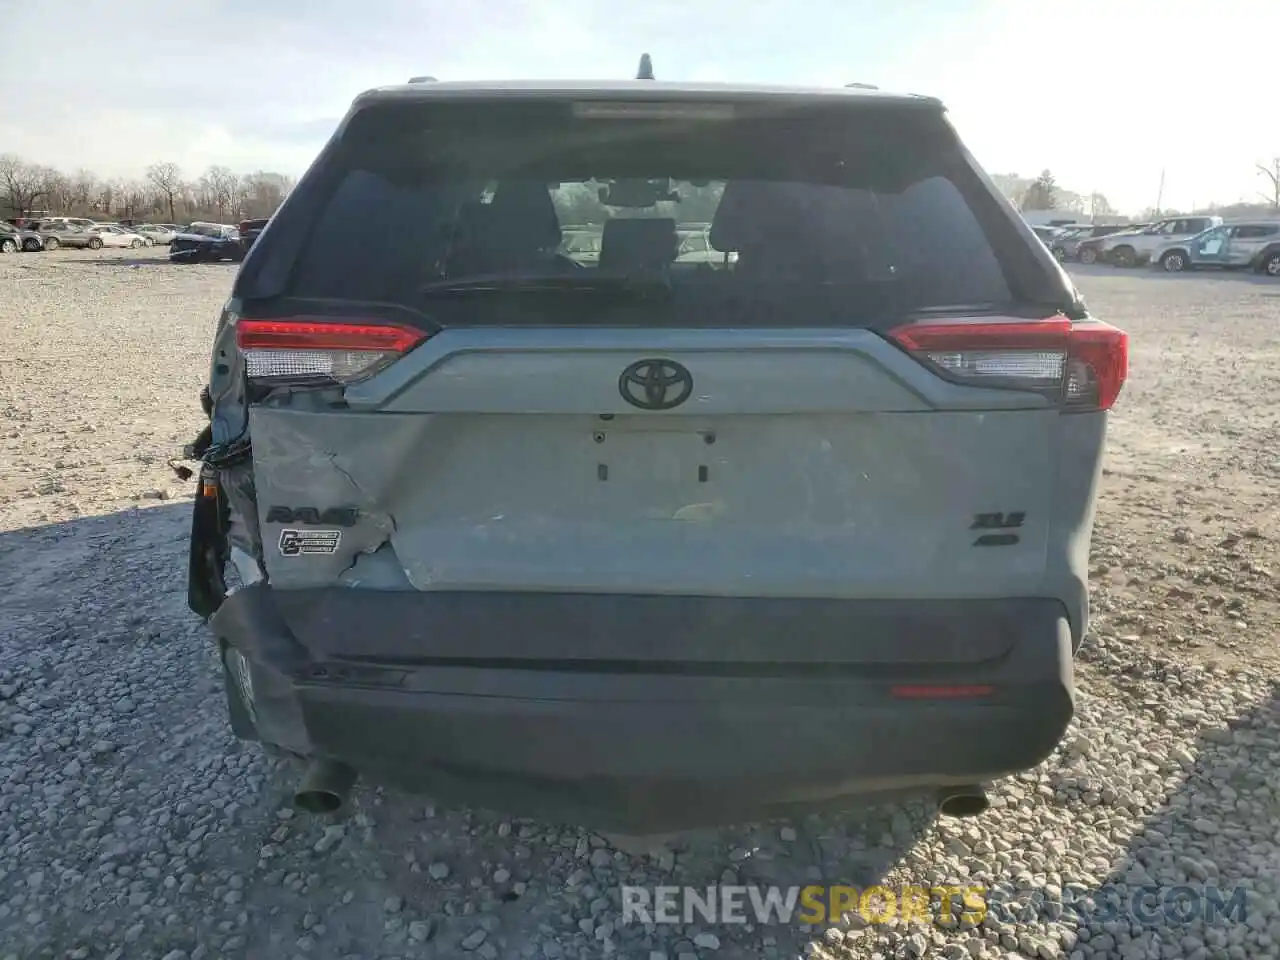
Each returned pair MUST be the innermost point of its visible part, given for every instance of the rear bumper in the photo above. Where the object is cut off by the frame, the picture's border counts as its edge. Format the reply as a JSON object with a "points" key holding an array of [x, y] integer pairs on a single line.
{"points": [[654, 745]]}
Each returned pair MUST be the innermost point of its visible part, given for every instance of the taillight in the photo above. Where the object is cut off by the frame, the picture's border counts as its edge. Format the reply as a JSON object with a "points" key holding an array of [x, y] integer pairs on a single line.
{"points": [[306, 349], [1083, 365]]}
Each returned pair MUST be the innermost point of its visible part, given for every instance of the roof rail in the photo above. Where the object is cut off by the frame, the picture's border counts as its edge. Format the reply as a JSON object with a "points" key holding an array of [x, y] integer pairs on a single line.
{"points": [[423, 80], [646, 68], [863, 86]]}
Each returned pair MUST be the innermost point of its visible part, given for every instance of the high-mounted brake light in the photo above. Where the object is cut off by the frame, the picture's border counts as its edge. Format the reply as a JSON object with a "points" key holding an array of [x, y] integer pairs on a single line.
{"points": [[637, 110], [308, 349], [1083, 365]]}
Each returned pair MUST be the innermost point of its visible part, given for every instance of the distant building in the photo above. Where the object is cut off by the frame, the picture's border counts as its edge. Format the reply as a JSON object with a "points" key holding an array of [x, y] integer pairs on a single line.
{"points": [[1052, 218], [1060, 218]]}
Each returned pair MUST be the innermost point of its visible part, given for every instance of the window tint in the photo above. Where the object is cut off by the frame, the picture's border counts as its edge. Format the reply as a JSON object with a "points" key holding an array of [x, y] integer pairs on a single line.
{"points": [[869, 206]]}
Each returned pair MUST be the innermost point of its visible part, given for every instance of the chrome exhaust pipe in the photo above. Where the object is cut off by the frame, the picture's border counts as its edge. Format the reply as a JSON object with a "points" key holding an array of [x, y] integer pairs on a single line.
{"points": [[325, 786], [967, 801]]}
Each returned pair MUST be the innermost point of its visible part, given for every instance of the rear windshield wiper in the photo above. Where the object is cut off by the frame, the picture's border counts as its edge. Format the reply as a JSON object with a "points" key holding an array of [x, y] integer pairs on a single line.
{"points": [[624, 285]]}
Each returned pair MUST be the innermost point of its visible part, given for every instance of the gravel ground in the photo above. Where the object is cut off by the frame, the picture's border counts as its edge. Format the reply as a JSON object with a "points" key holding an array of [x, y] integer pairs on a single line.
{"points": [[132, 825]]}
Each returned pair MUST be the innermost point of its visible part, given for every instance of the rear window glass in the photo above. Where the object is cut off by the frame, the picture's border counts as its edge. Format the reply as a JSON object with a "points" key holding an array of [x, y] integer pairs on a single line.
{"points": [[870, 210]]}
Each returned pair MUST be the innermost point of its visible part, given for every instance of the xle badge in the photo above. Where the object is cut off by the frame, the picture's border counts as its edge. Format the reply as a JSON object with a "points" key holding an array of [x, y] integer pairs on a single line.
{"points": [[997, 521], [297, 543]]}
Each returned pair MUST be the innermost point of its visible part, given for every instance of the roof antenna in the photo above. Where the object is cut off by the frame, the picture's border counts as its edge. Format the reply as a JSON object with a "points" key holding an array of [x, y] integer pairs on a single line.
{"points": [[646, 68]]}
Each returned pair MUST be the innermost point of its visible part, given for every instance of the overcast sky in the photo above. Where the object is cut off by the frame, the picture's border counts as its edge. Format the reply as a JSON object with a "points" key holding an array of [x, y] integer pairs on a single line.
{"points": [[1104, 92]]}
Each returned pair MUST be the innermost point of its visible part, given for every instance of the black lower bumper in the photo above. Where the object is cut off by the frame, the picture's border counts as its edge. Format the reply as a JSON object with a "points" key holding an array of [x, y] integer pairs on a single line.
{"points": [[645, 745]]}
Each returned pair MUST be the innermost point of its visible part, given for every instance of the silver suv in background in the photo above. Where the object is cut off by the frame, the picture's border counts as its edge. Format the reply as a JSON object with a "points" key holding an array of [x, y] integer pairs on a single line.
{"points": [[1132, 248], [1238, 245], [61, 232], [640, 544]]}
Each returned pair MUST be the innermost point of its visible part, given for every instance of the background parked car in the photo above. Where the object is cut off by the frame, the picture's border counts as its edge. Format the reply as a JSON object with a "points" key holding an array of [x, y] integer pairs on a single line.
{"points": [[206, 242], [13, 239], [67, 221], [59, 233], [114, 236], [10, 242], [1066, 246], [1253, 244], [160, 234], [1131, 248], [249, 231]]}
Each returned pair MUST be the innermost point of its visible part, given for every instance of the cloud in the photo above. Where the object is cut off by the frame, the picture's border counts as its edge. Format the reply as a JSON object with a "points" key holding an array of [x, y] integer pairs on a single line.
{"points": [[1105, 96]]}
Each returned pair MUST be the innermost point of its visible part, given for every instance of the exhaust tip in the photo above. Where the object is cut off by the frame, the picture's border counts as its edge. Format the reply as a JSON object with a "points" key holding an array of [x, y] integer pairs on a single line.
{"points": [[966, 802], [324, 787], [317, 801]]}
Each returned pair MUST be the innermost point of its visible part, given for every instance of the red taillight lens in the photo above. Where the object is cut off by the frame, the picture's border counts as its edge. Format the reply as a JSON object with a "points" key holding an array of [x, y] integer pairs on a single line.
{"points": [[1097, 366], [1083, 364], [306, 349]]}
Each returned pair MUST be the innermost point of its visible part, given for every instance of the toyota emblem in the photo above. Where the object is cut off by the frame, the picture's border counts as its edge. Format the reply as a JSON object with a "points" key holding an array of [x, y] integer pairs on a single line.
{"points": [[655, 384]]}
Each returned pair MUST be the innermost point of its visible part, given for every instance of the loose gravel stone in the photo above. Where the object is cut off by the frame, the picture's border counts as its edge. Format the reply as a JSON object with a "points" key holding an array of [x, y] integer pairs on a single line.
{"points": [[473, 940]]}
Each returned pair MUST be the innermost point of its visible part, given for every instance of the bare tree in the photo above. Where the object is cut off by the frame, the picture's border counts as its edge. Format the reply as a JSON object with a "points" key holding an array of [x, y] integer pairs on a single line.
{"points": [[23, 183], [220, 193], [1042, 194], [1011, 185], [167, 179], [84, 185], [1068, 201], [105, 201], [62, 191], [131, 197], [219, 187], [1272, 173], [264, 192]]}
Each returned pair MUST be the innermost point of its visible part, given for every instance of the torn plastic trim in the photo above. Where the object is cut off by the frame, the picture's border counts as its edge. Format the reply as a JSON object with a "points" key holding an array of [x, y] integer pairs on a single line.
{"points": [[254, 626], [247, 566]]}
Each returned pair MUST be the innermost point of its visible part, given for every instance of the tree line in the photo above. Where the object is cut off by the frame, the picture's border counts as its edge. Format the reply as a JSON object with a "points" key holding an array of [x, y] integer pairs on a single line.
{"points": [[1044, 193], [164, 193]]}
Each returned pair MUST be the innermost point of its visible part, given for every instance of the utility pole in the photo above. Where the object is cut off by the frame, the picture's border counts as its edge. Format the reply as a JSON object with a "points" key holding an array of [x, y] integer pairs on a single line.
{"points": [[1160, 194]]}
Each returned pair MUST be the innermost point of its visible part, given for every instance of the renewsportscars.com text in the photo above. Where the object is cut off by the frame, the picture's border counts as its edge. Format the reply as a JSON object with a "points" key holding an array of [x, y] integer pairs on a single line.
{"points": [[938, 905]]}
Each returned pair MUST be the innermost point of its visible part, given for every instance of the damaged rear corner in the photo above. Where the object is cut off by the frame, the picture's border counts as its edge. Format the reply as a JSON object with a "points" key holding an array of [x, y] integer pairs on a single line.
{"points": [[224, 534], [322, 513]]}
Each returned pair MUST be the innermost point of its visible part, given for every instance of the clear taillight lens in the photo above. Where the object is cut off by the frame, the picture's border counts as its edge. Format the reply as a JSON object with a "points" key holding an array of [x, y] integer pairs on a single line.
{"points": [[284, 350], [1082, 364]]}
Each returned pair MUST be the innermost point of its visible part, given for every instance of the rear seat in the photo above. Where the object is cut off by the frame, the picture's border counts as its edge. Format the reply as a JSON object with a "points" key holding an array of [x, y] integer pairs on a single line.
{"points": [[645, 244]]}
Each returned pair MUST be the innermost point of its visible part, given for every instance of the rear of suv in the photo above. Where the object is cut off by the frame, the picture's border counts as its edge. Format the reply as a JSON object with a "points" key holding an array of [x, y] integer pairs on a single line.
{"points": [[640, 543]]}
